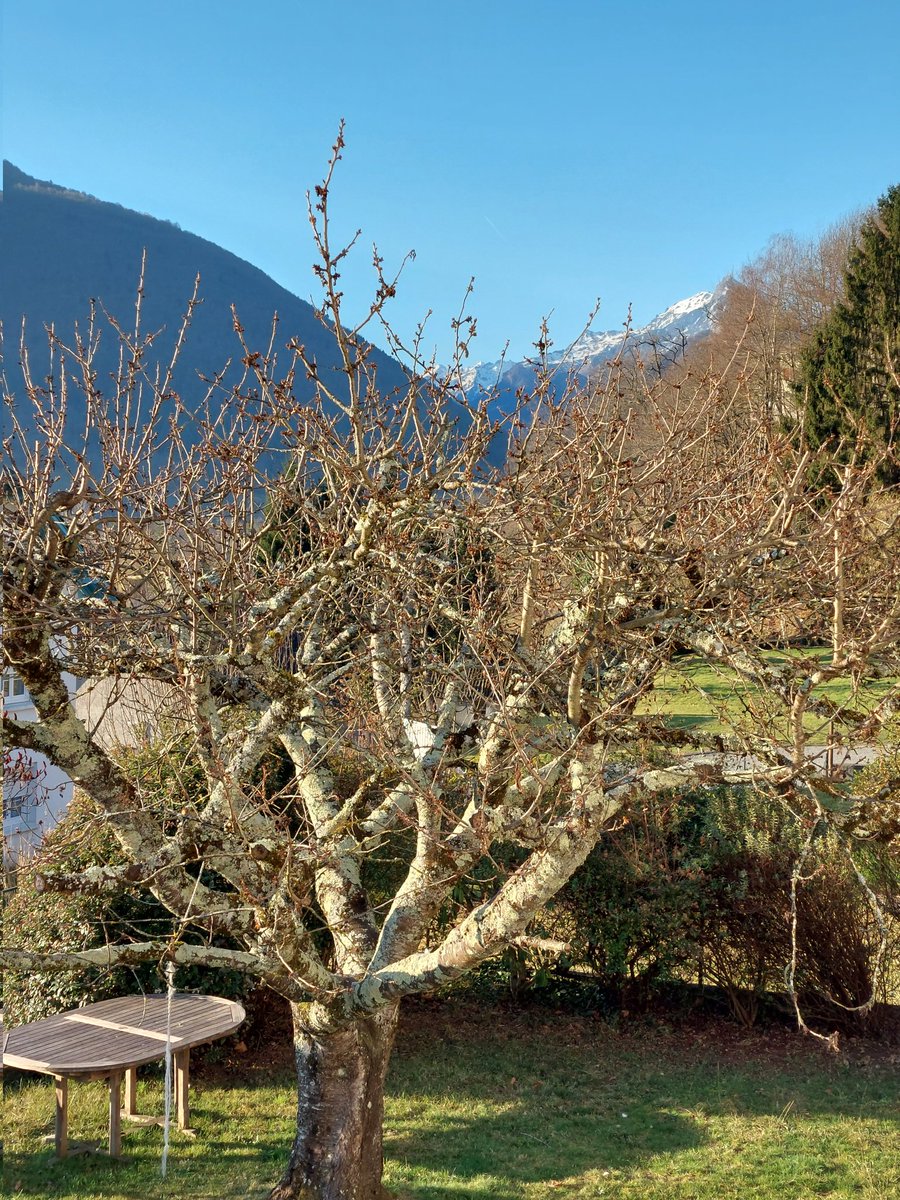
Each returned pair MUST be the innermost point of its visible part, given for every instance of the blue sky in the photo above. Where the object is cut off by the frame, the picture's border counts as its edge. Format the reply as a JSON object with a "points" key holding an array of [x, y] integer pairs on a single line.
{"points": [[557, 152]]}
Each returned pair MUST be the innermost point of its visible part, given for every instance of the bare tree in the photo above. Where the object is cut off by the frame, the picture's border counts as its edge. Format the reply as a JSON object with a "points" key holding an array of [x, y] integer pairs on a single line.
{"points": [[771, 308], [348, 584]]}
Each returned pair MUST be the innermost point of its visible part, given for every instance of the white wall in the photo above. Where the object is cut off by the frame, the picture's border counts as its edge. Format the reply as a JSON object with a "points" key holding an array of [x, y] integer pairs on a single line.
{"points": [[35, 792]]}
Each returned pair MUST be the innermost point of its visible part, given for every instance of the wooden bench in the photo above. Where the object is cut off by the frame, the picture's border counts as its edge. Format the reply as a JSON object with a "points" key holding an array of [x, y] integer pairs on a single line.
{"points": [[110, 1040]]}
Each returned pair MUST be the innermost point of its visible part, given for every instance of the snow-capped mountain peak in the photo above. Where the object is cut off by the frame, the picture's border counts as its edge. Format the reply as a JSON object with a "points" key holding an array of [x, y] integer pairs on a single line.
{"points": [[691, 316], [681, 322]]}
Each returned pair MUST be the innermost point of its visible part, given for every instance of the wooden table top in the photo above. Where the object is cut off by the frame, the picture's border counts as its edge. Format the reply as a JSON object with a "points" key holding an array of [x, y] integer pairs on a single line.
{"points": [[114, 1035]]}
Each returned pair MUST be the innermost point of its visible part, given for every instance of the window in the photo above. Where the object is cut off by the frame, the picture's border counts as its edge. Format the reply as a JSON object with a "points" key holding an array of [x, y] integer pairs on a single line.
{"points": [[13, 685], [14, 806]]}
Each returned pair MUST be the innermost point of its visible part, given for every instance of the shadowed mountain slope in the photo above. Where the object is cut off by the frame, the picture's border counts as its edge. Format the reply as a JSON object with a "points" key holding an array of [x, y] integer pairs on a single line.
{"points": [[60, 249]]}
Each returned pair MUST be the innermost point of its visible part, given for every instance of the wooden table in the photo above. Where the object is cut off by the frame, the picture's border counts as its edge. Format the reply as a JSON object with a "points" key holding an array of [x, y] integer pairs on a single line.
{"points": [[110, 1040]]}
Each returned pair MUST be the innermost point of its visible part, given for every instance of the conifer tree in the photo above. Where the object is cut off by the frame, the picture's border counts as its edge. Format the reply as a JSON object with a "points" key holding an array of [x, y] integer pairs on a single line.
{"points": [[850, 372]]}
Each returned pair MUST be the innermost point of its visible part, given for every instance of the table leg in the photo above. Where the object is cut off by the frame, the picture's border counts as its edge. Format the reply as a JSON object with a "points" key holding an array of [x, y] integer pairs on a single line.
{"points": [[115, 1114], [129, 1107], [182, 1084], [62, 1115]]}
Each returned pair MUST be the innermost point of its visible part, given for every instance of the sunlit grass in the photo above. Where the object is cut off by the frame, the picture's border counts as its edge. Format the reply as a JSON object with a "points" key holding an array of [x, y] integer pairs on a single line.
{"points": [[508, 1110], [694, 694], [599, 1115], [243, 1133]]}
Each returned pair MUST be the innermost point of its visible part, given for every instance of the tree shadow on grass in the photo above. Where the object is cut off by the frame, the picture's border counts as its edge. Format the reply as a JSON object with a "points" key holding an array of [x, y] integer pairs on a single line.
{"points": [[493, 1157], [223, 1168], [487, 1107], [474, 1130], [582, 1107], [688, 721], [232, 1156], [480, 1137]]}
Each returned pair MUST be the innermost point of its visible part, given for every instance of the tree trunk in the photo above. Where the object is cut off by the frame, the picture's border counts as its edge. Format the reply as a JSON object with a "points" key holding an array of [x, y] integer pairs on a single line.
{"points": [[337, 1152]]}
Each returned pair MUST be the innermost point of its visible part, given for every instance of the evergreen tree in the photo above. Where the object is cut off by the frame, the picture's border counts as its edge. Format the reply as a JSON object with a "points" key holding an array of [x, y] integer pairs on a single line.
{"points": [[850, 371]]}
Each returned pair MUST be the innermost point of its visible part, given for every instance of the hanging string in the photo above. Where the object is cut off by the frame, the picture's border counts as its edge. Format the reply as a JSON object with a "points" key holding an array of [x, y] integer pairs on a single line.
{"points": [[167, 1119]]}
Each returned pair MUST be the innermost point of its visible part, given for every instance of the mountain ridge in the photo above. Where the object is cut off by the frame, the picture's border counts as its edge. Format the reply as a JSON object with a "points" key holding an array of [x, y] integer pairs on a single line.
{"points": [[671, 330], [61, 248]]}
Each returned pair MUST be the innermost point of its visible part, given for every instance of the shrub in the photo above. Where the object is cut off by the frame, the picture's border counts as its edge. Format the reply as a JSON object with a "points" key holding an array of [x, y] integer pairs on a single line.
{"points": [[698, 887], [38, 919], [633, 912]]}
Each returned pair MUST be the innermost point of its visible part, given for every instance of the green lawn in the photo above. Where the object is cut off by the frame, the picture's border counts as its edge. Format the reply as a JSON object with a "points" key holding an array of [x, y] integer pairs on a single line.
{"points": [[485, 1106], [693, 694]]}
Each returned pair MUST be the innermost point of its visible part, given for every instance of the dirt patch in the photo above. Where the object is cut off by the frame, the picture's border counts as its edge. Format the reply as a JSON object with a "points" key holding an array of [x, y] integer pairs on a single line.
{"points": [[449, 1020], [264, 1049]]}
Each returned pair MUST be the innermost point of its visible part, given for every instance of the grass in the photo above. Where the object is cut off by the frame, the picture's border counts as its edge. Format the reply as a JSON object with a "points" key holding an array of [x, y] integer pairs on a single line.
{"points": [[694, 694], [243, 1135], [487, 1106]]}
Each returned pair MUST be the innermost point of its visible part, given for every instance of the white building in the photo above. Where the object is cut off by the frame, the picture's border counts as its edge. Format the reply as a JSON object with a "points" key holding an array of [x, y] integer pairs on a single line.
{"points": [[118, 712], [35, 792]]}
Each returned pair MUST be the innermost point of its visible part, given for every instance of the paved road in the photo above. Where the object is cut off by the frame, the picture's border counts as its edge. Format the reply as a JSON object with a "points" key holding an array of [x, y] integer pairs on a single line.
{"points": [[846, 758]]}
